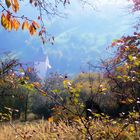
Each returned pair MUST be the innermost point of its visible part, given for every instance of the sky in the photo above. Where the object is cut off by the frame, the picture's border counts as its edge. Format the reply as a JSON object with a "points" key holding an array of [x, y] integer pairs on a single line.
{"points": [[81, 37]]}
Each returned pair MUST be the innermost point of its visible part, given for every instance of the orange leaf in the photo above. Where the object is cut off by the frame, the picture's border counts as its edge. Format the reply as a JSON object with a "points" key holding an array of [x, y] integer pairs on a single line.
{"points": [[25, 25], [15, 24], [29, 69], [35, 24], [15, 6], [50, 119], [32, 30]]}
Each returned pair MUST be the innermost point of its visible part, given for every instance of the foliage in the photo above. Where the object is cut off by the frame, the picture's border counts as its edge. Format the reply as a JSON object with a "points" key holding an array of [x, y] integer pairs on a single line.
{"points": [[63, 97], [83, 103], [123, 70], [71, 107], [14, 85], [41, 106], [136, 5]]}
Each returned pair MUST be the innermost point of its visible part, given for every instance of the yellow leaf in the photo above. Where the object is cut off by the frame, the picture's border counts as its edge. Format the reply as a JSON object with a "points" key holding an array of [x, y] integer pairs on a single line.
{"points": [[8, 3], [44, 94], [50, 119], [37, 84], [5, 22], [9, 25], [132, 128], [130, 100]]}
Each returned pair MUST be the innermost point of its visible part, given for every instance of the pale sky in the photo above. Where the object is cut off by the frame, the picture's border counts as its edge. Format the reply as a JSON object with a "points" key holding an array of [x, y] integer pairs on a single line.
{"points": [[82, 36]]}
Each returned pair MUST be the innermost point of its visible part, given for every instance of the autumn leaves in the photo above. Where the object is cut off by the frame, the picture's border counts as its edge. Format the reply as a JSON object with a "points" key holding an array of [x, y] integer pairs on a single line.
{"points": [[13, 3], [9, 21]]}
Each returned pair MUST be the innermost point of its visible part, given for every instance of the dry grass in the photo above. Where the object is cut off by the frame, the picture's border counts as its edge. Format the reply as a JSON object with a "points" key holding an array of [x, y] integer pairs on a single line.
{"points": [[41, 130], [44, 130]]}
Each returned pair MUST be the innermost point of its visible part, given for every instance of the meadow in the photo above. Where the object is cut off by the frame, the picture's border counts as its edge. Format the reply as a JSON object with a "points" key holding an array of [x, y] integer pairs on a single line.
{"points": [[45, 130]]}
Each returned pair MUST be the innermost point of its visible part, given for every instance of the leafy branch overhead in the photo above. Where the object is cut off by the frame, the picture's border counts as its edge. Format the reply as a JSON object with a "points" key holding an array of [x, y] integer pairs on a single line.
{"points": [[11, 21]]}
